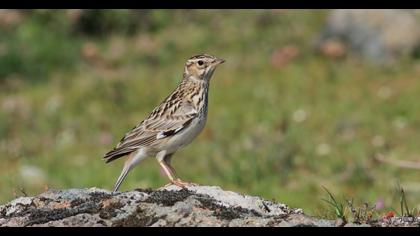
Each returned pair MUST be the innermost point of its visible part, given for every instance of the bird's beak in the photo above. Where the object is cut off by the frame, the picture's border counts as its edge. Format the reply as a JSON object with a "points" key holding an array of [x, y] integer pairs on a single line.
{"points": [[218, 61]]}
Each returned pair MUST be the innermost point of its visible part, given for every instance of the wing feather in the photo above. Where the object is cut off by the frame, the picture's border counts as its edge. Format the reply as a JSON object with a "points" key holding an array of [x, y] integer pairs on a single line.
{"points": [[155, 127]]}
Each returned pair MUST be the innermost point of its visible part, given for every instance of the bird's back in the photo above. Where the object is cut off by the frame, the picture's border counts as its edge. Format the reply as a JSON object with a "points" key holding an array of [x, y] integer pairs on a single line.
{"points": [[178, 112]]}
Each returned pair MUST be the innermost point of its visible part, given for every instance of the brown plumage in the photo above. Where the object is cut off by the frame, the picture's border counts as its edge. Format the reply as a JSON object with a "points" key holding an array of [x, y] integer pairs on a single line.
{"points": [[171, 125]]}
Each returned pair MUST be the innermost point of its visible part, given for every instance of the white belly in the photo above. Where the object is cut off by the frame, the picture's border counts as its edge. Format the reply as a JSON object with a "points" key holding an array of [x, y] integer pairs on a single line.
{"points": [[186, 135]]}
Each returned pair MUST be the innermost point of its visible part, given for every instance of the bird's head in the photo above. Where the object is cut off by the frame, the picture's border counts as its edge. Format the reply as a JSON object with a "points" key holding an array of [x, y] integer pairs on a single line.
{"points": [[201, 67]]}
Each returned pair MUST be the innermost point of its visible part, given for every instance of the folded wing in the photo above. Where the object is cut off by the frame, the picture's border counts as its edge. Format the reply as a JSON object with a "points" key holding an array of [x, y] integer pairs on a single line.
{"points": [[162, 123]]}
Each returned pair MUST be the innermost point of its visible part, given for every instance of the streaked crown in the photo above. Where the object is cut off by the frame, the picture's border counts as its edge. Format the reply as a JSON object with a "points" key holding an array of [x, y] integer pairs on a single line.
{"points": [[201, 66]]}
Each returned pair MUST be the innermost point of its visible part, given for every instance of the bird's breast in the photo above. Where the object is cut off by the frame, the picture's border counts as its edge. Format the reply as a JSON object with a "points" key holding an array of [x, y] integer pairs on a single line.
{"points": [[187, 135]]}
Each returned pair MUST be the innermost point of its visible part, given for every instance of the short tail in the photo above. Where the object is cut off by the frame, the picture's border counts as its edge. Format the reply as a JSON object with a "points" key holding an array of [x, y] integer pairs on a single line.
{"points": [[133, 159], [121, 178]]}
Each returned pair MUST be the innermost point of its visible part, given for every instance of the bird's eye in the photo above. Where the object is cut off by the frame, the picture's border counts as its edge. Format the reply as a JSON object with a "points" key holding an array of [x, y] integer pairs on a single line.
{"points": [[200, 62]]}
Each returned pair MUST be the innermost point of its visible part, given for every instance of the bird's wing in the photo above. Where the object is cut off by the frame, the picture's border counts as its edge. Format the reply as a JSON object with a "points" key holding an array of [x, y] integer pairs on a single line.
{"points": [[162, 123]]}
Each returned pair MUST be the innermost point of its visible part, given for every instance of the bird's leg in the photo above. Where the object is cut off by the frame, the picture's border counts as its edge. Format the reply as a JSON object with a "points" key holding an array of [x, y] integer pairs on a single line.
{"points": [[171, 175], [167, 161], [178, 181]]}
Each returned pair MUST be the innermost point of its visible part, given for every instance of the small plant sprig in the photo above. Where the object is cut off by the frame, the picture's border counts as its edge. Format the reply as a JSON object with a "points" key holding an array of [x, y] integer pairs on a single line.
{"points": [[337, 206], [348, 212], [362, 214], [404, 209]]}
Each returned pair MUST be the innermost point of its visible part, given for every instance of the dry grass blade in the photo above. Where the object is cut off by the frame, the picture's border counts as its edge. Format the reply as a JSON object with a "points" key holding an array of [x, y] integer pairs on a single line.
{"points": [[398, 163]]}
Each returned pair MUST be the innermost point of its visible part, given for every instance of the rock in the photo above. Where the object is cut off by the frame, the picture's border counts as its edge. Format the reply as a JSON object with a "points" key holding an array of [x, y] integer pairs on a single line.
{"points": [[169, 206], [381, 36], [356, 225], [399, 222]]}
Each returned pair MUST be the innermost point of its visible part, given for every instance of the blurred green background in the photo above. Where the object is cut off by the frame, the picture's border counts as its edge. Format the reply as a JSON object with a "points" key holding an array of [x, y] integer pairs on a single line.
{"points": [[284, 120]]}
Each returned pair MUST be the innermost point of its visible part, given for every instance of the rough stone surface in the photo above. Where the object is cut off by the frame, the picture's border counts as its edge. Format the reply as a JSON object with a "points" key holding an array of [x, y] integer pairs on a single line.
{"points": [[382, 36], [169, 206]]}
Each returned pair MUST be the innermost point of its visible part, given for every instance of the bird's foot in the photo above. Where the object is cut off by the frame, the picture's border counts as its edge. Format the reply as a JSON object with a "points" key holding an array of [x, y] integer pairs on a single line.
{"points": [[178, 182]]}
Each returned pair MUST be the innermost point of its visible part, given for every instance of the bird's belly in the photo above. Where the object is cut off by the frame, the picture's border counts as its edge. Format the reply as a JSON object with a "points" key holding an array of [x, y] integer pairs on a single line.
{"points": [[186, 136]]}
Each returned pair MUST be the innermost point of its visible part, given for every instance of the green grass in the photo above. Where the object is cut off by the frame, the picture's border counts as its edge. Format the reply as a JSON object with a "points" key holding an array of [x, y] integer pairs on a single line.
{"points": [[278, 133], [338, 207]]}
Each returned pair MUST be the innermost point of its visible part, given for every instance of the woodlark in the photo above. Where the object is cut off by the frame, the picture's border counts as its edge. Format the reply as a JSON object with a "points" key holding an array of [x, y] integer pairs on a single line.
{"points": [[171, 125]]}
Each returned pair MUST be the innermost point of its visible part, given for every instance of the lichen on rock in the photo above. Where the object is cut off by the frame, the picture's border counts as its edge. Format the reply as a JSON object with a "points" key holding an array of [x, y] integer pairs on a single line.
{"points": [[169, 206]]}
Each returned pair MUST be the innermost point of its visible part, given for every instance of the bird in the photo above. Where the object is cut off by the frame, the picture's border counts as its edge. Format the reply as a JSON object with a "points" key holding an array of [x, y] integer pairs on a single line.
{"points": [[172, 125]]}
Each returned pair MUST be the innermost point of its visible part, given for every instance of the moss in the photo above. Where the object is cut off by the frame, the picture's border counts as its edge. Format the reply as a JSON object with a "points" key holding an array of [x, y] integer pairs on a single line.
{"points": [[144, 190], [137, 219], [40, 216], [101, 222], [168, 198], [98, 196], [76, 202], [223, 212], [110, 210], [3, 212], [92, 205]]}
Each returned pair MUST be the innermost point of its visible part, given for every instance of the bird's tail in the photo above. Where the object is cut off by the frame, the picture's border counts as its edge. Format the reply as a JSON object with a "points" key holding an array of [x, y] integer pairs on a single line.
{"points": [[131, 162], [121, 178]]}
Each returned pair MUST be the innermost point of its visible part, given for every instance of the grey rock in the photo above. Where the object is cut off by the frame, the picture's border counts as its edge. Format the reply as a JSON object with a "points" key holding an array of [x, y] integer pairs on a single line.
{"points": [[356, 225], [399, 222], [200, 206], [382, 36]]}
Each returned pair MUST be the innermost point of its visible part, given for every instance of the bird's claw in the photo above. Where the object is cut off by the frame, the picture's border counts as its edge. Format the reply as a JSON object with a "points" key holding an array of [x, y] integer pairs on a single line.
{"points": [[179, 183]]}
